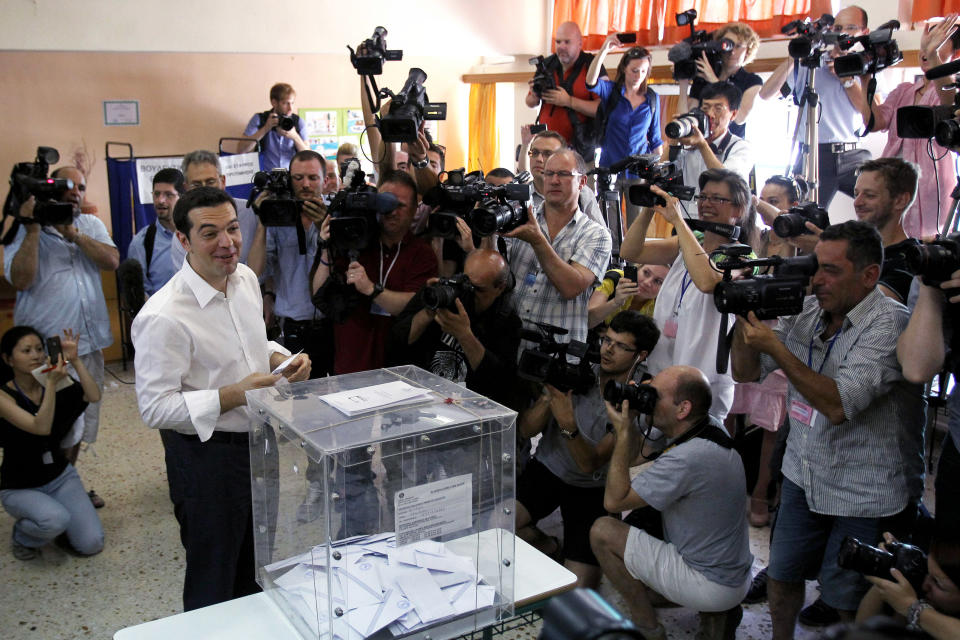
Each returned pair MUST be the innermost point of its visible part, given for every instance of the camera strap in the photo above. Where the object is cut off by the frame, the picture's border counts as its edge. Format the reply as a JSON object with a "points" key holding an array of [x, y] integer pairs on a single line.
{"points": [[871, 90], [703, 429]]}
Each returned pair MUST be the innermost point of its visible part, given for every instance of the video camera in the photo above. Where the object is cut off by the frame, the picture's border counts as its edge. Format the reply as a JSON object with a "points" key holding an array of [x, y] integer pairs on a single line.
{"points": [[375, 52], [937, 122], [793, 223], [642, 397], [909, 560], [30, 179], [684, 54], [444, 293], [666, 175], [355, 210], [408, 109], [934, 261], [682, 126], [543, 76], [880, 51], [768, 296], [549, 363], [487, 208], [812, 39]]}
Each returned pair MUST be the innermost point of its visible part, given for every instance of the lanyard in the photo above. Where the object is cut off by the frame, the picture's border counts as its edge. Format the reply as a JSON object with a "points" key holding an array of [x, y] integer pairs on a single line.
{"points": [[684, 285], [43, 390], [829, 347], [383, 278]]}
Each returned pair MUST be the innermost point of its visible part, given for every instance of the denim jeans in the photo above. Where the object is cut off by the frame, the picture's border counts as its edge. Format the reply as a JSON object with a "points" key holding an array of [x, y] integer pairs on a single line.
{"points": [[59, 506]]}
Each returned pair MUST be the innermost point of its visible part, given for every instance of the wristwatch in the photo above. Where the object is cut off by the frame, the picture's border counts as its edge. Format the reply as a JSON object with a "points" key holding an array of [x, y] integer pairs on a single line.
{"points": [[377, 290], [913, 614], [570, 435], [421, 164]]}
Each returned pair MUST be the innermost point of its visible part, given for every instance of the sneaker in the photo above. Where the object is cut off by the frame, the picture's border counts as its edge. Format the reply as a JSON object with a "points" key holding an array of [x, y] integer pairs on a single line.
{"points": [[758, 588], [819, 614], [312, 506], [21, 552], [96, 500]]}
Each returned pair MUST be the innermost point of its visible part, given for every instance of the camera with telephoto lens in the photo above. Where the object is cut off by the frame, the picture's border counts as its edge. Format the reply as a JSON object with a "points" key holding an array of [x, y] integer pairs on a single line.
{"points": [[550, 361], [684, 54], [375, 52], [408, 109], [444, 293], [642, 397], [665, 175], [768, 296], [934, 261], [880, 51], [793, 223], [280, 208], [487, 208], [31, 179], [682, 126], [813, 37], [355, 210], [543, 76], [909, 560]]}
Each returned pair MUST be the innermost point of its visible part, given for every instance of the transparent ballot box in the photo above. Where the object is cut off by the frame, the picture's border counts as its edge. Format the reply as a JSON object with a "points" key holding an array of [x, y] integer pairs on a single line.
{"points": [[383, 505]]}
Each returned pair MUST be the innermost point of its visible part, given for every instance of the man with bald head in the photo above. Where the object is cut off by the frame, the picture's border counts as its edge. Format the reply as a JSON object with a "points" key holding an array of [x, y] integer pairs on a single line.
{"points": [[474, 342], [570, 105], [701, 559], [64, 290]]}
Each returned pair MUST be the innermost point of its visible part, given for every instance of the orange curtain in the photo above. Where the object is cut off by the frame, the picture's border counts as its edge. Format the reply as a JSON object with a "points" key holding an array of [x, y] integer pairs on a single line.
{"points": [[484, 147], [923, 9], [646, 18]]}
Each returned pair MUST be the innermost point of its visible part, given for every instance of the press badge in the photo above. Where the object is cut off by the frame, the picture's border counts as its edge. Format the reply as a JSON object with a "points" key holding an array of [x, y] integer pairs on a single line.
{"points": [[377, 310], [530, 279], [47, 457], [670, 327], [802, 412]]}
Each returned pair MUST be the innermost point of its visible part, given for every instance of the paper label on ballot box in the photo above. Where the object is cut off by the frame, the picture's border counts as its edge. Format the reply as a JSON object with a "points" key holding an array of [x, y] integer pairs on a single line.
{"points": [[433, 509]]}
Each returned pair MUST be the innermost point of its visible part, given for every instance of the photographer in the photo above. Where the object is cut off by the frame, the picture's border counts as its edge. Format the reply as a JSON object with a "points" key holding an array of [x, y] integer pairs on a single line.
{"points": [[276, 251], [386, 276], [685, 313], [278, 142], [938, 612], [853, 463], [697, 486], [475, 344], [558, 254], [568, 469], [151, 245], [839, 112], [937, 174], [745, 44], [721, 149], [539, 149], [568, 107]]}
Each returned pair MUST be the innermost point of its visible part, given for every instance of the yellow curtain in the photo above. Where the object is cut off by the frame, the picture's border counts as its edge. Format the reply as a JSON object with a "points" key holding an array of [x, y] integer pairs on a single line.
{"points": [[484, 148]]}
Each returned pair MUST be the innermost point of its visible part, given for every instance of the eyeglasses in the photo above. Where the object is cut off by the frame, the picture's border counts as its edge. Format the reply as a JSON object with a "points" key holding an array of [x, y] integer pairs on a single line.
{"points": [[561, 174], [533, 153], [606, 342], [713, 108], [701, 198]]}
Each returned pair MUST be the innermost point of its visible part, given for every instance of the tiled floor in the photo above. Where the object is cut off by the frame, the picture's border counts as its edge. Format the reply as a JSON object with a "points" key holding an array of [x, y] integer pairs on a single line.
{"points": [[139, 575]]}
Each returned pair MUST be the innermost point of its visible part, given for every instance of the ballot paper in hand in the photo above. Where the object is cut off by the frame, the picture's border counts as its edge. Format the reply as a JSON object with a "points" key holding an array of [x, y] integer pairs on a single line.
{"points": [[380, 396]]}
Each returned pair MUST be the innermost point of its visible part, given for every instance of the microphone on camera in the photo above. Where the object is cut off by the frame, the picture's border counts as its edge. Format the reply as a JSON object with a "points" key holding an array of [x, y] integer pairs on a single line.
{"points": [[943, 70], [893, 25], [680, 52]]}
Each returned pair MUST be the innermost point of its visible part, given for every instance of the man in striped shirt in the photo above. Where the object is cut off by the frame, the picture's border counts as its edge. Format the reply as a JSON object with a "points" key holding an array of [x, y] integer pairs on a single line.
{"points": [[854, 459]]}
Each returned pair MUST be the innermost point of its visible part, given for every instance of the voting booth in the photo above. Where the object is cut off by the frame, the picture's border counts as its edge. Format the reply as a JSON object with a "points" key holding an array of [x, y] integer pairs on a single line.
{"points": [[383, 504]]}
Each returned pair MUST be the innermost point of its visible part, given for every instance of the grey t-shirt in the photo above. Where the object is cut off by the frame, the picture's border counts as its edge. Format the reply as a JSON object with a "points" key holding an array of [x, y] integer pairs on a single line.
{"points": [[699, 488]]}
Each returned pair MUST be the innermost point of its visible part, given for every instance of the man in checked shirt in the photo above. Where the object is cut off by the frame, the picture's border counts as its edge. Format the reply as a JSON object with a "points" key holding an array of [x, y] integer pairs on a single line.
{"points": [[854, 459]]}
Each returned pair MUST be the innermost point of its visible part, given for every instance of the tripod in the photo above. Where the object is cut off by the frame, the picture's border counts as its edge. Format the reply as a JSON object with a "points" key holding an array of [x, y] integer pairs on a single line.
{"points": [[805, 151], [608, 197]]}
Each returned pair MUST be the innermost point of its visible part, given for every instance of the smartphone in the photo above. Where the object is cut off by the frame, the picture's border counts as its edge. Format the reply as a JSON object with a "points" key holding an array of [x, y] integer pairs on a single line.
{"points": [[627, 38], [537, 128], [53, 349], [630, 272]]}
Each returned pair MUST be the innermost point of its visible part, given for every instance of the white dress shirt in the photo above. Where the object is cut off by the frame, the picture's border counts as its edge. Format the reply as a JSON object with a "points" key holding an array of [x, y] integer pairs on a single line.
{"points": [[190, 340]]}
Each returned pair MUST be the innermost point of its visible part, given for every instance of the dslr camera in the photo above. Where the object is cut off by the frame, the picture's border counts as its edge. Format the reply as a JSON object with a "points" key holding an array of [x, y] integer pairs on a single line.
{"points": [[684, 54], [549, 361], [642, 397], [873, 561], [408, 109], [793, 223], [769, 296], [444, 293], [31, 179], [880, 51], [487, 208], [374, 53], [280, 208], [543, 76], [934, 261], [682, 126]]}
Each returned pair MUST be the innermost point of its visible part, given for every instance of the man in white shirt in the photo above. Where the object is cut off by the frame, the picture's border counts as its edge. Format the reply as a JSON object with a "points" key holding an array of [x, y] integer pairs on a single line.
{"points": [[201, 344]]}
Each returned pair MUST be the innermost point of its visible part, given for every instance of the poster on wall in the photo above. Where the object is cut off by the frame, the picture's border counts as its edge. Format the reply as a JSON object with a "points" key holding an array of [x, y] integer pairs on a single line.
{"points": [[320, 122], [355, 123]]}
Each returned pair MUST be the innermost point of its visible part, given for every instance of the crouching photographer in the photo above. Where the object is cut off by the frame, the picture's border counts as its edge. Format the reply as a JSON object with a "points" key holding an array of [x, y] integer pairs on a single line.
{"points": [[569, 467], [697, 484], [463, 328]]}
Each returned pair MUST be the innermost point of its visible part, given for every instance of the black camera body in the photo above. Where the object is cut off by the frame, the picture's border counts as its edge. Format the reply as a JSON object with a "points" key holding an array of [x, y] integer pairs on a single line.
{"points": [[682, 126], [909, 560], [548, 362], [934, 261], [793, 223], [543, 76], [665, 175], [355, 209], [768, 296], [642, 397], [684, 54], [812, 39], [487, 208], [280, 208], [31, 179], [880, 51], [408, 109], [370, 62], [444, 293]]}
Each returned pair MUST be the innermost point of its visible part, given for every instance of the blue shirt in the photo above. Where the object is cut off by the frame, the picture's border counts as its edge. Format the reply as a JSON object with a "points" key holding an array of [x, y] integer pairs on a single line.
{"points": [[67, 292], [291, 272], [839, 119], [275, 150], [161, 264], [629, 131]]}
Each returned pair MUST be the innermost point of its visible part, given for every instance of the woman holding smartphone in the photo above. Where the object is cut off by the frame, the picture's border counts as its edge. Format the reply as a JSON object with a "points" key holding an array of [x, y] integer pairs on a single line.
{"points": [[38, 487]]}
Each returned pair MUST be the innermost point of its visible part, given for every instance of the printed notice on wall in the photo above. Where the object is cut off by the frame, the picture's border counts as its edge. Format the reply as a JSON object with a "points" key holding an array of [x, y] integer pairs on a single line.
{"points": [[433, 509], [121, 112]]}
